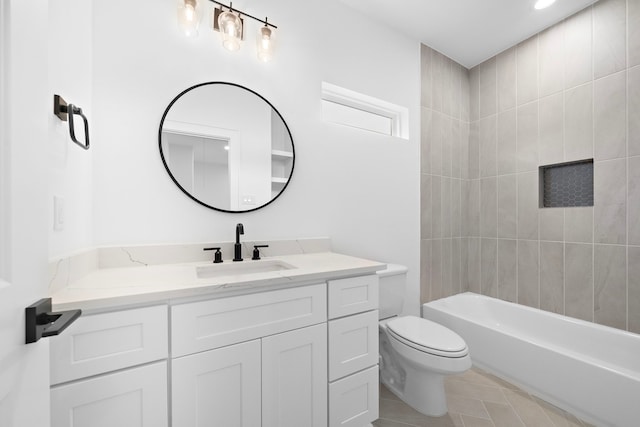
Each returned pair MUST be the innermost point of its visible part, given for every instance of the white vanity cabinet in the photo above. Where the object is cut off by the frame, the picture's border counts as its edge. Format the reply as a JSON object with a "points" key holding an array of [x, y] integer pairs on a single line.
{"points": [[353, 351], [276, 379], [301, 356], [110, 369]]}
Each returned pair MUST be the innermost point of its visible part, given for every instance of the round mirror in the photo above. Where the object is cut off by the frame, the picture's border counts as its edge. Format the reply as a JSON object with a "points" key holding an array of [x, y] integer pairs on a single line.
{"points": [[226, 147]]}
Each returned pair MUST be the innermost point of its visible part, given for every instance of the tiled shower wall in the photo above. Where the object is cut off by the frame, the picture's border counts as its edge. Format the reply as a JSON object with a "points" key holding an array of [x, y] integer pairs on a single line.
{"points": [[444, 173], [571, 92]]}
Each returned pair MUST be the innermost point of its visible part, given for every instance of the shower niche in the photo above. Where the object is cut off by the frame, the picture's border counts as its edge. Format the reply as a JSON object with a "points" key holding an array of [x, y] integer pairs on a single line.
{"points": [[565, 185]]}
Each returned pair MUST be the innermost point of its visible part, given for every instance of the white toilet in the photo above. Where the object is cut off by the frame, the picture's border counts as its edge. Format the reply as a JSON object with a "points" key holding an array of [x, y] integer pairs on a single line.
{"points": [[415, 353]]}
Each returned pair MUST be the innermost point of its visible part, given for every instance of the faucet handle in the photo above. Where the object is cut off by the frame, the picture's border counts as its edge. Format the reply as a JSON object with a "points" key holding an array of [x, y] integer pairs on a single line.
{"points": [[217, 256], [256, 251]]}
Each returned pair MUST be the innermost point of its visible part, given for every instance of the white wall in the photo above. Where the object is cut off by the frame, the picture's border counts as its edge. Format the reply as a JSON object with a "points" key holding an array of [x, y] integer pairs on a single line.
{"points": [[70, 76], [358, 188]]}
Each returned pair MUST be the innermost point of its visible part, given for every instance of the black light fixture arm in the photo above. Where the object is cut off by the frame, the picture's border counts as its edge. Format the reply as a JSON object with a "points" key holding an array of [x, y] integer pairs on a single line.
{"points": [[230, 7]]}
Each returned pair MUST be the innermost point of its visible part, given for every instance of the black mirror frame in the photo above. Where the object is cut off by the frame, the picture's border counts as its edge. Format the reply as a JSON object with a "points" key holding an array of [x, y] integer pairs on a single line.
{"points": [[166, 166]]}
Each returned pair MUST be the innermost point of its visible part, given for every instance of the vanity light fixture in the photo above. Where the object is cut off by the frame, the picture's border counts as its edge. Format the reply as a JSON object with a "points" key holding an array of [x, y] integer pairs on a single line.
{"points": [[543, 4], [230, 23], [189, 17]]}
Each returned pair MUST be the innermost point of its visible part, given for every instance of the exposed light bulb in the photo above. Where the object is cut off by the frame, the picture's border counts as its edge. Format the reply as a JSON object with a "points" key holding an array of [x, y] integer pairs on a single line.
{"points": [[265, 43], [188, 18], [189, 13], [542, 4], [230, 26]]}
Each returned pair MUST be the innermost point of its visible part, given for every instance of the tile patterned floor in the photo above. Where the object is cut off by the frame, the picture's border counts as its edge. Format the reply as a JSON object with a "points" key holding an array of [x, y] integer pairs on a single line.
{"points": [[478, 399]]}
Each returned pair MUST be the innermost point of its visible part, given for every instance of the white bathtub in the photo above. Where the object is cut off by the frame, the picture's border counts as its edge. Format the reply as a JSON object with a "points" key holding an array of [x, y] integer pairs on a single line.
{"points": [[590, 370]]}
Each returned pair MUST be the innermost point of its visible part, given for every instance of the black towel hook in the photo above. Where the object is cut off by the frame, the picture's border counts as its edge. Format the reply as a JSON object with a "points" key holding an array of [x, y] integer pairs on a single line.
{"points": [[65, 112]]}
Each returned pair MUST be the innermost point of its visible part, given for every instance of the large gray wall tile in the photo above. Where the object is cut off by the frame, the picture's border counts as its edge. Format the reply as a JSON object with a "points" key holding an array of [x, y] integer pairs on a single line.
{"points": [[456, 148], [474, 93], [610, 285], [633, 11], [578, 225], [552, 276], [507, 144], [436, 269], [474, 150], [488, 93], [552, 224], [488, 267], [578, 123], [551, 60], [464, 150], [456, 208], [578, 49], [456, 262], [507, 268], [578, 281], [447, 84], [506, 70], [609, 117], [488, 146], [610, 207], [473, 207], [445, 196], [465, 96], [464, 264], [425, 76], [528, 205], [634, 200], [609, 37], [473, 265], [527, 137], [425, 270], [456, 88], [425, 206], [425, 140], [507, 206], [437, 88], [527, 74], [528, 284], [436, 207], [447, 145], [633, 84], [551, 129], [634, 289], [447, 264], [488, 207]]}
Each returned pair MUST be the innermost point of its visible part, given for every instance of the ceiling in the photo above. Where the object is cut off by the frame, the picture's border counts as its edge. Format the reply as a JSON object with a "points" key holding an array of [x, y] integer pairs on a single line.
{"points": [[467, 31]]}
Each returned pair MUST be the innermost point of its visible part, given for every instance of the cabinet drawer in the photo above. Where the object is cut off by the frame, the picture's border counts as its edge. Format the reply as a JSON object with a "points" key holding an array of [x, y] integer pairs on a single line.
{"points": [[353, 401], [105, 342], [353, 344], [216, 323], [134, 397], [353, 295]]}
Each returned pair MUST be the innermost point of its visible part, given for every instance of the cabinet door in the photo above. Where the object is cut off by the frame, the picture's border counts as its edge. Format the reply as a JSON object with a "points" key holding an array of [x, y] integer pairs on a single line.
{"points": [[353, 401], [218, 387], [131, 398], [294, 378]]}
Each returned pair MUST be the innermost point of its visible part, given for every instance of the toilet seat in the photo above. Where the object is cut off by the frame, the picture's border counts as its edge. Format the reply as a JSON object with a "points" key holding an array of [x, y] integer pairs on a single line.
{"points": [[427, 336]]}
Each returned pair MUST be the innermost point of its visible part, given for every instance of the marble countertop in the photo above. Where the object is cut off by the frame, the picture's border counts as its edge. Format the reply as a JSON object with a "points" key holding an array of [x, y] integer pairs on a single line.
{"points": [[110, 288]]}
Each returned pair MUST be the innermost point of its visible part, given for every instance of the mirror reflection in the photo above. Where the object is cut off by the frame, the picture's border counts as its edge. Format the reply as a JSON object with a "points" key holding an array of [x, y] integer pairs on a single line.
{"points": [[226, 147]]}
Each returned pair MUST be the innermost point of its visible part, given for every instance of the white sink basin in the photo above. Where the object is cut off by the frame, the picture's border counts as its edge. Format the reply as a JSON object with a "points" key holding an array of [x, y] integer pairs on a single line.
{"points": [[241, 268]]}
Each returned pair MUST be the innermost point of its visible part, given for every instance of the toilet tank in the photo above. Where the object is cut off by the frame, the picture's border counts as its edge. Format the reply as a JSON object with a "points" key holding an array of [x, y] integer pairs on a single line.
{"points": [[392, 283]]}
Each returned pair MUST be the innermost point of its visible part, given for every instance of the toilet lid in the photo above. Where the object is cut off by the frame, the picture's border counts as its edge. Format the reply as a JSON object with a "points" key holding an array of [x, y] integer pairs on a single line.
{"points": [[427, 336]]}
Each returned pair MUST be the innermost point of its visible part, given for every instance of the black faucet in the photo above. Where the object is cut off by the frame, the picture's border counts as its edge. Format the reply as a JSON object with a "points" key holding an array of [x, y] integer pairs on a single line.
{"points": [[237, 248]]}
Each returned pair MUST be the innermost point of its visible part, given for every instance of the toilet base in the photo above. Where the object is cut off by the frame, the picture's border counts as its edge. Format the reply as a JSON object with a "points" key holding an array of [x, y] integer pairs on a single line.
{"points": [[424, 392]]}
